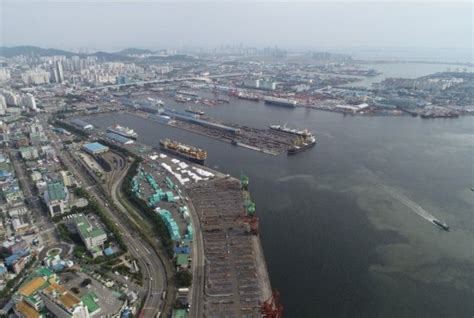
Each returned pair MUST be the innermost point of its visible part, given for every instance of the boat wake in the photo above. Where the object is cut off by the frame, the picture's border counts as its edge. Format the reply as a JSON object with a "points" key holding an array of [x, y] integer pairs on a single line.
{"points": [[405, 200], [409, 203]]}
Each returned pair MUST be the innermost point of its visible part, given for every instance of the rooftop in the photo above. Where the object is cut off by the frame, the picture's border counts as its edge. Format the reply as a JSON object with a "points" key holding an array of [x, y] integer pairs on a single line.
{"points": [[32, 286], [95, 147], [179, 313], [69, 300], [89, 300], [56, 190], [86, 229], [182, 259], [26, 310]]}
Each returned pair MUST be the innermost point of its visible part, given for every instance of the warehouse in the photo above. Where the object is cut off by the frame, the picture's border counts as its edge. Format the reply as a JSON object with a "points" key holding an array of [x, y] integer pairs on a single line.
{"points": [[95, 148], [81, 124], [119, 139]]}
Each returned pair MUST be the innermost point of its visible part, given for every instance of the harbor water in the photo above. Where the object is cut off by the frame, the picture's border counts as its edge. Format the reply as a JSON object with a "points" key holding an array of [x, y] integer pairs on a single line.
{"points": [[339, 237]]}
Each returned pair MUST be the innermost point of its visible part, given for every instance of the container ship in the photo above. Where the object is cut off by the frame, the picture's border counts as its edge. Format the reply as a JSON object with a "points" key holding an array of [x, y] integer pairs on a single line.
{"points": [[194, 111], [123, 131], [302, 144], [178, 149], [285, 102], [301, 133]]}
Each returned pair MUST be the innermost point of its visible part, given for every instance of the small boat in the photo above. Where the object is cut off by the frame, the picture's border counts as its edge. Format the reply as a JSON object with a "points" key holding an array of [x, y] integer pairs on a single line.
{"points": [[442, 225]]}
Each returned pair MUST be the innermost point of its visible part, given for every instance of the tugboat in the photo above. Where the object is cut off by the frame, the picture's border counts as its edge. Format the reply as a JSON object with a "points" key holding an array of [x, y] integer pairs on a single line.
{"points": [[181, 150], [440, 224]]}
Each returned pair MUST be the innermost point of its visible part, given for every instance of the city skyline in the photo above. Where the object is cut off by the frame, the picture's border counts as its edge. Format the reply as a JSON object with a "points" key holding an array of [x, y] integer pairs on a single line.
{"points": [[112, 26]]}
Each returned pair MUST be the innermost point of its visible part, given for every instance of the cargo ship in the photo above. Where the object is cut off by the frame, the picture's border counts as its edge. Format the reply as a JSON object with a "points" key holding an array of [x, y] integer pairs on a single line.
{"points": [[123, 131], [180, 99], [178, 149], [246, 96], [441, 225], [187, 93], [285, 102], [301, 133], [302, 144], [194, 111]]}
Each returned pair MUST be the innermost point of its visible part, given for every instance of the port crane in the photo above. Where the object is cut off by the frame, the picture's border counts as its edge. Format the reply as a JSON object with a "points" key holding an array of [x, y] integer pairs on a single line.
{"points": [[244, 182], [248, 216], [272, 308]]}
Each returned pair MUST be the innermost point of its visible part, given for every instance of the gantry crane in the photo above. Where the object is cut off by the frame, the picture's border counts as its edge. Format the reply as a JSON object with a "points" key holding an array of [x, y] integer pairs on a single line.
{"points": [[272, 308]]}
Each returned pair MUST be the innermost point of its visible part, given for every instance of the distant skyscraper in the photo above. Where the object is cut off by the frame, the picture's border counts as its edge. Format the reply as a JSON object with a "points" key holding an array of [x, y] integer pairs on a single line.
{"points": [[57, 74], [59, 68]]}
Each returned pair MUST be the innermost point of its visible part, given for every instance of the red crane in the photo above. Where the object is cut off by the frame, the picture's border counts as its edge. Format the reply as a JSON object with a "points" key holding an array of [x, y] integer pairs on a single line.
{"points": [[251, 220], [272, 308]]}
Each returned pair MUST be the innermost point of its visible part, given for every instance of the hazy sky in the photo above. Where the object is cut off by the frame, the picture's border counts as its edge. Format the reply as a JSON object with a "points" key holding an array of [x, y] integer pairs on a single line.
{"points": [[106, 25]]}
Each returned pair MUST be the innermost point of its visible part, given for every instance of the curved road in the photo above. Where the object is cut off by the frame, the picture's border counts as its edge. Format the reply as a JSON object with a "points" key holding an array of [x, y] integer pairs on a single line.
{"points": [[146, 257]]}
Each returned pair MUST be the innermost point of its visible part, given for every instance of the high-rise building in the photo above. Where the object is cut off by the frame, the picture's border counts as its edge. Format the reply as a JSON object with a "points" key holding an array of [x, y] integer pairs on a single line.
{"points": [[29, 101], [57, 74], [59, 67], [35, 77], [3, 105], [4, 74], [11, 98]]}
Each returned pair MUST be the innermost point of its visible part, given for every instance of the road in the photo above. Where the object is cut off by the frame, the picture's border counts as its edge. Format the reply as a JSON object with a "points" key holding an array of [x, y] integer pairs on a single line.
{"points": [[198, 264], [159, 282], [40, 217], [146, 257]]}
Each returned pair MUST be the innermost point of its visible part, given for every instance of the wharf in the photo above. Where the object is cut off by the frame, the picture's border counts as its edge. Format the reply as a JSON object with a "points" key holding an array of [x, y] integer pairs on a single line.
{"points": [[236, 280], [266, 141]]}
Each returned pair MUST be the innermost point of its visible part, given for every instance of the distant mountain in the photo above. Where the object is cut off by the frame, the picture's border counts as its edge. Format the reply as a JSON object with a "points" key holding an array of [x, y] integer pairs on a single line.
{"points": [[109, 56], [134, 51], [31, 50], [34, 50], [176, 57]]}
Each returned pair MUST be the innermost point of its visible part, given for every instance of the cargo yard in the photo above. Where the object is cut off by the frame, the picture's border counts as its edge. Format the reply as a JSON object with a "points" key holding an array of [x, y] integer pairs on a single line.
{"points": [[236, 280]]}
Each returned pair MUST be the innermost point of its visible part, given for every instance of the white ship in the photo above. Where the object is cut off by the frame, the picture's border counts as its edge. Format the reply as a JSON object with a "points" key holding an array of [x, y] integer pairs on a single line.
{"points": [[123, 131]]}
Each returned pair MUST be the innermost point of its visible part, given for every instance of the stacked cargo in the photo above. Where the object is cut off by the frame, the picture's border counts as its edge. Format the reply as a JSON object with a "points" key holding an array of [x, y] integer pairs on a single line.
{"points": [[169, 183], [170, 224], [190, 233], [185, 214]]}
